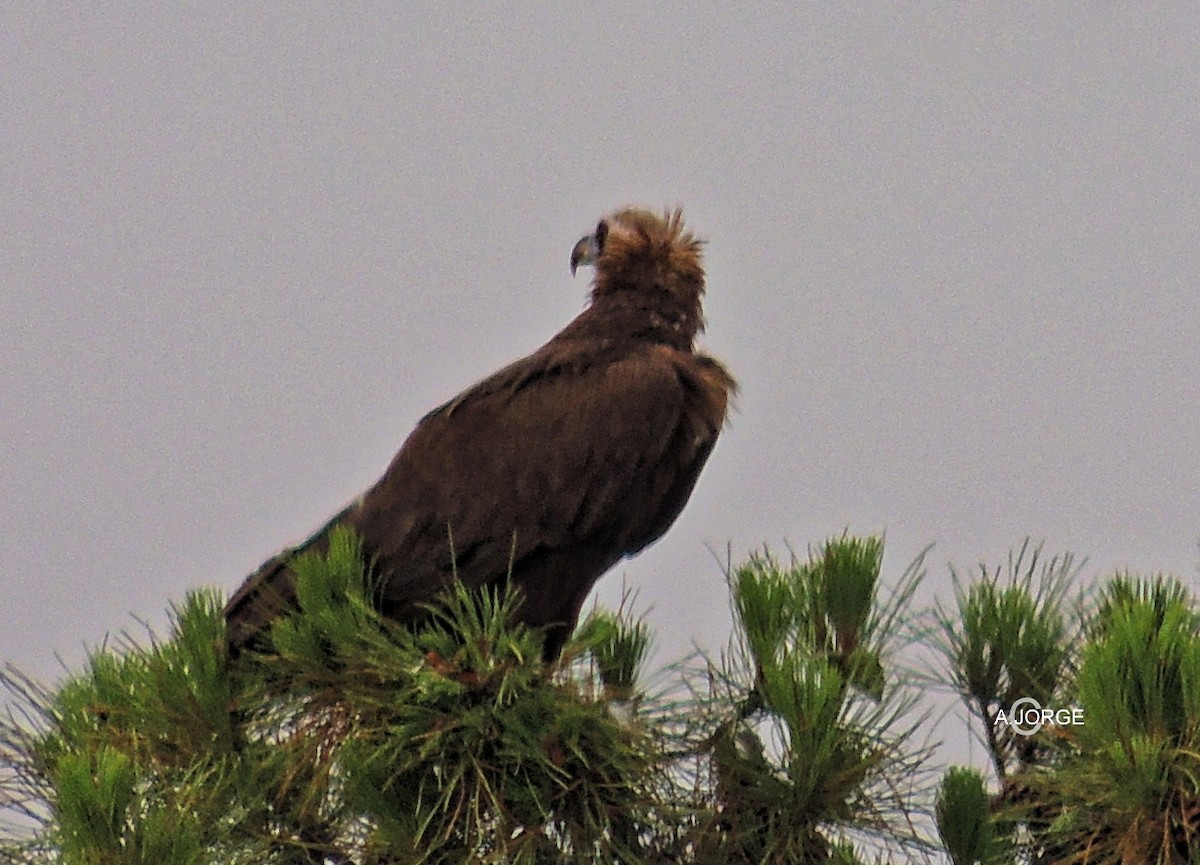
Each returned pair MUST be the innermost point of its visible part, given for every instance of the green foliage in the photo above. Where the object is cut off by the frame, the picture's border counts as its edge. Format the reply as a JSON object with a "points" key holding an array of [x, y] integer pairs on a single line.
{"points": [[1129, 778], [826, 606], [349, 739], [130, 759], [618, 648], [811, 741], [1123, 785], [1134, 675], [964, 819], [449, 743], [1008, 639], [105, 815]]}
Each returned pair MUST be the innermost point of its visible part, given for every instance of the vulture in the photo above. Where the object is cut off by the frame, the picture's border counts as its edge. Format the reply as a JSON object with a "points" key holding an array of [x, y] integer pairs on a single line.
{"points": [[553, 469]]}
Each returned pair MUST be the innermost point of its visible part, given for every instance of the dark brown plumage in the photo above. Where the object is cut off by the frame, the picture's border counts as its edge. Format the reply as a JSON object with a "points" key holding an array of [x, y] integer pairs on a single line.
{"points": [[557, 466]]}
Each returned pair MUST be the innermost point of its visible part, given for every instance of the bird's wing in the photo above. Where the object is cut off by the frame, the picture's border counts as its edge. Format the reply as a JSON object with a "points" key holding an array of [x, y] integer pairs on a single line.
{"points": [[565, 447], [571, 453]]}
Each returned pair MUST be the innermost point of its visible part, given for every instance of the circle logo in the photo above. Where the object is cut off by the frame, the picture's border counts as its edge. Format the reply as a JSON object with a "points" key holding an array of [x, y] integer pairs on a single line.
{"points": [[1025, 716]]}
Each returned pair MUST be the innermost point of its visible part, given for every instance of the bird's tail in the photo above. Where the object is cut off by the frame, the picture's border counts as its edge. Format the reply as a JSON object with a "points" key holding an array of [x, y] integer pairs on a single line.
{"points": [[270, 591], [265, 594]]}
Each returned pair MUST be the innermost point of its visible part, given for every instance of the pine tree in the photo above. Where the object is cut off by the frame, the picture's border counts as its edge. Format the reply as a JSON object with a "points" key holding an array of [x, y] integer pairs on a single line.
{"points": [[347, 739]]}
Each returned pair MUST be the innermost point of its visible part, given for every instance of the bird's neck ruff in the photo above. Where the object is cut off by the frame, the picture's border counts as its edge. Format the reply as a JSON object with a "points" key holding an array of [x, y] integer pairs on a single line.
{"points": [[649, 279], [658, 319]]}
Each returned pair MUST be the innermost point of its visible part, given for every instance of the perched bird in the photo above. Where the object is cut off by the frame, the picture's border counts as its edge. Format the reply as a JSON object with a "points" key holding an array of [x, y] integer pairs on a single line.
{"points": [[558, 466]]}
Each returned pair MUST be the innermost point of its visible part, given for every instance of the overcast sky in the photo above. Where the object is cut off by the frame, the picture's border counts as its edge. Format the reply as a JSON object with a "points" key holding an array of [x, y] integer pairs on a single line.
{"points": [[954, 259]]}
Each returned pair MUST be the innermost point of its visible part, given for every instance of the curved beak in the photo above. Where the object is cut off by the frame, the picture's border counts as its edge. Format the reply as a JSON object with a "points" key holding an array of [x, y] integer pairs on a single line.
{"points": [[586, 251]]}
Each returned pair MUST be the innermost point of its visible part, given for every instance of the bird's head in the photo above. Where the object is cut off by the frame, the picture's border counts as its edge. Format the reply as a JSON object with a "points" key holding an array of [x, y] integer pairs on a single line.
{"points": [[633, 237], [589, 247], [648, 261]]}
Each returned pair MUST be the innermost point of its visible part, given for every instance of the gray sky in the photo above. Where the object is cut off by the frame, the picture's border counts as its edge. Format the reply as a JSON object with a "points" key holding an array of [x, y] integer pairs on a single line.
{"points": [[953, 260]]}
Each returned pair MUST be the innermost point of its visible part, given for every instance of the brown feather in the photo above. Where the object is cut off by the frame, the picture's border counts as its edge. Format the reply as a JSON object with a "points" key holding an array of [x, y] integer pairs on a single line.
{"points": [[557, 466]]}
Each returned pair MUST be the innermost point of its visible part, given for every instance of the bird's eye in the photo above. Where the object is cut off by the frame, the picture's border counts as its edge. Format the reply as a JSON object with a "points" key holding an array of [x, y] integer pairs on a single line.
{"points": [[601, 234]]}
